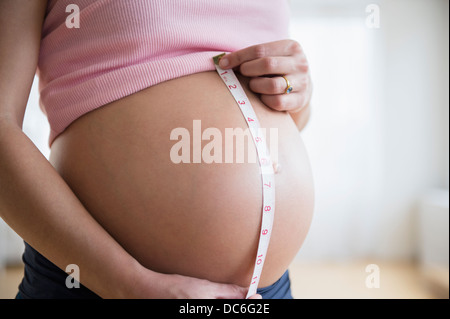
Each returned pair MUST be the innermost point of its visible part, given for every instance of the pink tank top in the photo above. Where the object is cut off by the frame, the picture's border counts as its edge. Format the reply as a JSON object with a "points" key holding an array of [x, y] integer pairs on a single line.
{"points": [[124, 46]]}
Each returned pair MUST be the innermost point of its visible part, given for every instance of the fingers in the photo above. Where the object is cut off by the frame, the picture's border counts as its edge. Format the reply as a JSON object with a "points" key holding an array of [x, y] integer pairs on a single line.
{"points": [[278, 85], [265, 63], [257, 296], [273, 90], [274, 65], [277, 48], [285, 102]]}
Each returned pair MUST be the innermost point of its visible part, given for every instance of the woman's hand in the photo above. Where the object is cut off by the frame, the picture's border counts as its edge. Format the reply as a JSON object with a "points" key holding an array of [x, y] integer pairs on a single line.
{"points": [[161, 286], [266, 64], [192, 288]]}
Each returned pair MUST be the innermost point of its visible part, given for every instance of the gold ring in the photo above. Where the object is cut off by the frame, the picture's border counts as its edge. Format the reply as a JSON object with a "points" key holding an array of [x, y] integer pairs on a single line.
{"points": [[289, 87]]}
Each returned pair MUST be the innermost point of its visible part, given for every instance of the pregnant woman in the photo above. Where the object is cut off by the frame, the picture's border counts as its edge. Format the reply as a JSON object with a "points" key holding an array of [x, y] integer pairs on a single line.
{"points": [[116, 78]]}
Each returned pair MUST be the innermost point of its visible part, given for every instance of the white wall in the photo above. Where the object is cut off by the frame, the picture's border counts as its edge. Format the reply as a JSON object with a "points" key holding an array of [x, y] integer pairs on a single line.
{"points": [[378, 138], [416, 100], [35, 122]]}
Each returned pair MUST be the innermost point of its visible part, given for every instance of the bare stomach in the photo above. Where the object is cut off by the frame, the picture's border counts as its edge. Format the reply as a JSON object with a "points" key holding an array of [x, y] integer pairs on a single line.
{"points": [[194, 219]]}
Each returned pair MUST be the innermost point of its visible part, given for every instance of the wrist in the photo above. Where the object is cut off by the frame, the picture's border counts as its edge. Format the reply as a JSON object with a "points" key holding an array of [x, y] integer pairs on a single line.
{"points": [[117, 277], [143, 283], [129, 285]]}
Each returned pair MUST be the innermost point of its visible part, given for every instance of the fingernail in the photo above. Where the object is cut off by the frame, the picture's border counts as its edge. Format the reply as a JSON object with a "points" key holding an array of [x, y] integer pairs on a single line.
{"points": [[224, 63]]}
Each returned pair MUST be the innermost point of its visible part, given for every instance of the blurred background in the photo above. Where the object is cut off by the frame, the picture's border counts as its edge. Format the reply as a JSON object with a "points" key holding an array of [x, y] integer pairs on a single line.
{"points": [[378, 141]]}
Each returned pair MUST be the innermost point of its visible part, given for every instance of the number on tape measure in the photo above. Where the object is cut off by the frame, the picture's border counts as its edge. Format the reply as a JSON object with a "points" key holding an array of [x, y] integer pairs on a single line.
{"points": [[259, 260]]}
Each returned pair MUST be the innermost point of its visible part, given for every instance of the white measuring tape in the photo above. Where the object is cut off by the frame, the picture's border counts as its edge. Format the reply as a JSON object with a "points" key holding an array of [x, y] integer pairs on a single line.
{"points": [[265, 162]]}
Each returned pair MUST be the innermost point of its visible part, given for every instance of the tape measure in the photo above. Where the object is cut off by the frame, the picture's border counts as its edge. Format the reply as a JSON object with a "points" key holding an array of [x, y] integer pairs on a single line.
{"points": [[265, 163]]}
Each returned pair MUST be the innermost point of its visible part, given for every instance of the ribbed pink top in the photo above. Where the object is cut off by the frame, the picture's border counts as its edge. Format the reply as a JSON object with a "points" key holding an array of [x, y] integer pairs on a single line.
{"points": [[124, 46]]}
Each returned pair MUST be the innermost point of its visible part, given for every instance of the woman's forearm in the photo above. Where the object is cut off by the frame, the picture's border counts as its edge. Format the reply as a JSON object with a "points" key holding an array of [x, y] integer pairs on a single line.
{"points": [[37, 203]]}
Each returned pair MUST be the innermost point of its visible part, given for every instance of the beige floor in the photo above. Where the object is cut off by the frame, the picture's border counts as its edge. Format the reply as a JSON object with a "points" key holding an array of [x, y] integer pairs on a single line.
{"points": [[328, 281], [347, 280]]}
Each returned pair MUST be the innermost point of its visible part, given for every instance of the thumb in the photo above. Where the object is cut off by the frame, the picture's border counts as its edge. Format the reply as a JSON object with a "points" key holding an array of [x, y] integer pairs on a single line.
{"points": [[233, 292]]}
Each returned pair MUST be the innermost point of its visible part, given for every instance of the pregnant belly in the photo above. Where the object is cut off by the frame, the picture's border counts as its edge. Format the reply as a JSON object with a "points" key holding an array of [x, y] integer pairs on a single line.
{"points": [[192, 217]]}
